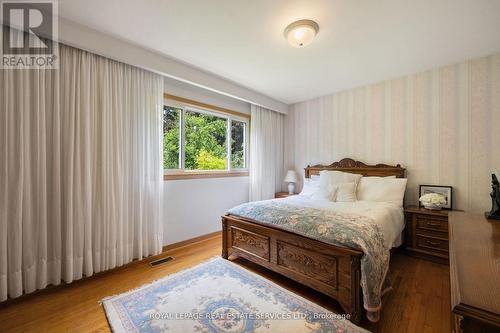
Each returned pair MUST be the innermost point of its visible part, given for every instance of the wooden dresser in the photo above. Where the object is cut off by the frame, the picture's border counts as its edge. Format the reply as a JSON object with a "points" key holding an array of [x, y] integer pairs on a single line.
{"points": [[474, 272], [427, 233]]}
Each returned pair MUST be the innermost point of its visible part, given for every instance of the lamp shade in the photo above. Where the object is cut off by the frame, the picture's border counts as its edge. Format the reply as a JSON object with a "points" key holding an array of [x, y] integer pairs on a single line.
{"points": [[291, 177]]}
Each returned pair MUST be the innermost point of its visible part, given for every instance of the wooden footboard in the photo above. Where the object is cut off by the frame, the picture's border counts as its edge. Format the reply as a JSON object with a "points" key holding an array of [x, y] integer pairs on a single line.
{"points": [[329, 269]]}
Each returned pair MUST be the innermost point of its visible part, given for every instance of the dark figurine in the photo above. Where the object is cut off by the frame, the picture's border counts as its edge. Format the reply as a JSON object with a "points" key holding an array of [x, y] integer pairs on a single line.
{"points": [[495, 199]]}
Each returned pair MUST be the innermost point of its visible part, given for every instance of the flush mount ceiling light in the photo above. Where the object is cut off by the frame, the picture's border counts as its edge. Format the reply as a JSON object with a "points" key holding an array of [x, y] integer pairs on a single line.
{"points": [[301, 33]]}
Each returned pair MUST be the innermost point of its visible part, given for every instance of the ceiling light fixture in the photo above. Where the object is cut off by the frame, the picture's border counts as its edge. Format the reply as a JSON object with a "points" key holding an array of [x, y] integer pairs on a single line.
{"points": [[301, 33]]}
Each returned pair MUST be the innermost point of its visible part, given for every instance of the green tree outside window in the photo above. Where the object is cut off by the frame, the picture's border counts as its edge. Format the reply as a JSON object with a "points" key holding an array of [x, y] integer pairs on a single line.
{"points": [[205, 141]]}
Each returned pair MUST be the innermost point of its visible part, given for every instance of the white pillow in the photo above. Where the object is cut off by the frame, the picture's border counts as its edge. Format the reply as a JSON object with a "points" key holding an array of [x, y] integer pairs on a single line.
{"points": [[346, 192], [382, 189], [310, 187], [338, 177], [329, 181], [325, 193]]}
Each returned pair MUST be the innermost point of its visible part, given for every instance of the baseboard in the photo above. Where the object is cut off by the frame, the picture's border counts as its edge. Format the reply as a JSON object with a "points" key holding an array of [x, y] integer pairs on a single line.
{"points": [[191, 241]]}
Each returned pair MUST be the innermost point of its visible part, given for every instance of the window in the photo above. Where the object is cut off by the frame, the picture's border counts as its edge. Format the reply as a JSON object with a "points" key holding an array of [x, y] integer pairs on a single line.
{"points": [[238, 142], [171, 137], [199, 140], [206, 142]]}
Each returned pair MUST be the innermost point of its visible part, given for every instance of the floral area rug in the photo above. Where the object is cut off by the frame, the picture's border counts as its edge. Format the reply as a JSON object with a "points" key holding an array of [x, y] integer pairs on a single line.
{"points": [[219, 296]]}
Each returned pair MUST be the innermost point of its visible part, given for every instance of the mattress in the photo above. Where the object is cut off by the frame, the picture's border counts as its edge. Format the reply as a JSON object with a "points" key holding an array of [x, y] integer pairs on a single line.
{"points": [[389, 217]]}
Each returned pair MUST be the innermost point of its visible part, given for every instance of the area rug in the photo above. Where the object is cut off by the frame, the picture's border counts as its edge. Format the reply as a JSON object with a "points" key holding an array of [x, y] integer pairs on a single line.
{"points": [[219, 296]]}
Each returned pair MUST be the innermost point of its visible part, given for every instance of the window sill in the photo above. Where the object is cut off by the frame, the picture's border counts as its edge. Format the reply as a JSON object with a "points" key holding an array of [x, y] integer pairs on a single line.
{"points": [[203, 174]]}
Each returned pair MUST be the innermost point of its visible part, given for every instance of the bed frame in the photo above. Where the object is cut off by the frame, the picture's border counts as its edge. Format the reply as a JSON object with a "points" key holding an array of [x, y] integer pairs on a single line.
{"points": [[331, 270]]}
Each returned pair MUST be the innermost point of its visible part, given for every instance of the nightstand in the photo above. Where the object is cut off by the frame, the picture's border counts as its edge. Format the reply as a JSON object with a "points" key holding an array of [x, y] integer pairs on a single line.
{"points": [[427, 233], [282, 195]]}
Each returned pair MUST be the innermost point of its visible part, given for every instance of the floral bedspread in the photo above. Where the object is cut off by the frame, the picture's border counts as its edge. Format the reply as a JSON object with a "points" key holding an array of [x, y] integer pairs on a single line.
{"points": [[336, 228]]}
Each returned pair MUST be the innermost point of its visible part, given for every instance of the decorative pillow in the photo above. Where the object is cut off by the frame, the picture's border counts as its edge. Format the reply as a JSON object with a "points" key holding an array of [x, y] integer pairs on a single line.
{"points": [[325, 193], [310, 187], [346, 192], [330, 181], [382, 189]]}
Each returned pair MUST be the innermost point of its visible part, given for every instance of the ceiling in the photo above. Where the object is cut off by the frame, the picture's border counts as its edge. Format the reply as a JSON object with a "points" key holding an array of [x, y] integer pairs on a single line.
{"points": [[359, 41]]}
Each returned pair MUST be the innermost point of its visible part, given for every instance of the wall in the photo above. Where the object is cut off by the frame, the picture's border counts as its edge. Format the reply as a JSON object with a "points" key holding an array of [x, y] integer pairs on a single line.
{"points": [[193, 207], [443, 125]]}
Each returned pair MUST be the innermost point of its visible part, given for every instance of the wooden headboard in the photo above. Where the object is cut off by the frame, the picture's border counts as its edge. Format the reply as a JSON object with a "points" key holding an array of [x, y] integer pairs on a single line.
{"points": [[352, 166]]}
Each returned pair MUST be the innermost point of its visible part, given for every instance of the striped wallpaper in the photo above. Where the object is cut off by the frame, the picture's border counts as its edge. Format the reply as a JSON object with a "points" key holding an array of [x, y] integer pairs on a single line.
{"points": [[443, 125]]}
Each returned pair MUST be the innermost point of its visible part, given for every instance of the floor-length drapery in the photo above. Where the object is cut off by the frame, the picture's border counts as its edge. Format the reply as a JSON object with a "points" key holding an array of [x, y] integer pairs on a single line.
{"points": [[80, 170], [266, 153]]}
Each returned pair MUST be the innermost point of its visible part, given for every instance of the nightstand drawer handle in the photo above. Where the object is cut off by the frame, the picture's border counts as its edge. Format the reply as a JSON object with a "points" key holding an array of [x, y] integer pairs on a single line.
{"points": [[432, 224], [432, 243]]}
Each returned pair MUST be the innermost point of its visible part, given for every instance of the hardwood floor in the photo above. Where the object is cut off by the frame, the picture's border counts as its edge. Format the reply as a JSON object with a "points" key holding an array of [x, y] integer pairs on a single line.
{"points": [[420, 301]]}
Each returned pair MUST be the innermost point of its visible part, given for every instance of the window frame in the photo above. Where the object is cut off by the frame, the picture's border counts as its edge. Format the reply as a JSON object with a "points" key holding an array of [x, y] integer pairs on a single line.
{"points": [[181, 172]]}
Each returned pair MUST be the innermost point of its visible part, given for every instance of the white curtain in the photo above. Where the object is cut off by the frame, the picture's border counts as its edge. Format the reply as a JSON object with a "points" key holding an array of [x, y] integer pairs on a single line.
{"points": [[266, 153], [80, 170]]}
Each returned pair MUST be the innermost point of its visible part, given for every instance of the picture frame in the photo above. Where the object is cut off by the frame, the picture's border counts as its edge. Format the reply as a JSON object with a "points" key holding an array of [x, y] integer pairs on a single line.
{"points": [[446, 191]]}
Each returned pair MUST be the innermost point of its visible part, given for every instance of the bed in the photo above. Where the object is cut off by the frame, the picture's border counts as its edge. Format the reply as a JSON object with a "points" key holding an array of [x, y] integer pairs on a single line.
{"points": [[256, 232]]}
